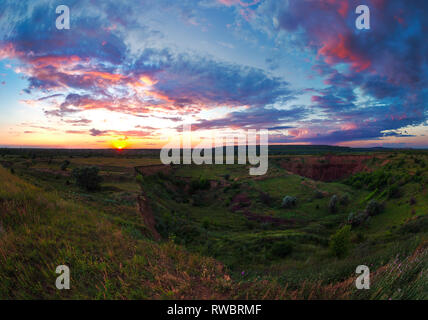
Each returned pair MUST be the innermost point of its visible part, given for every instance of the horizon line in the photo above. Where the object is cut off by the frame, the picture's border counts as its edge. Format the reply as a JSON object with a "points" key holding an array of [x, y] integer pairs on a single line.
{"points": [[269, 145]]}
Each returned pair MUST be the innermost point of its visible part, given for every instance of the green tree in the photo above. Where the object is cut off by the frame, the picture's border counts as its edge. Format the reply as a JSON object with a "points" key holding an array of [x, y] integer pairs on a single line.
{"points": [[373, 208], [87, 178]]}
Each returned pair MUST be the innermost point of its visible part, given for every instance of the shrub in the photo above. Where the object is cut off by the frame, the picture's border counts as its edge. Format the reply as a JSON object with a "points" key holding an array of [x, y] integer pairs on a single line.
{"points": [[340, 242], [200, 184], [281, 249], [87, 178], [370, 180], [288, 202], [356, 218], [393, 191], [332, 206], [65, 165], [139, 178], [344, 200], [373, 208]]}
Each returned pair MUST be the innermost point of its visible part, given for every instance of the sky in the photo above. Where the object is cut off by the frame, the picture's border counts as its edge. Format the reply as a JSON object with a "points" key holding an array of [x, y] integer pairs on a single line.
{"points": [[132, 73]]}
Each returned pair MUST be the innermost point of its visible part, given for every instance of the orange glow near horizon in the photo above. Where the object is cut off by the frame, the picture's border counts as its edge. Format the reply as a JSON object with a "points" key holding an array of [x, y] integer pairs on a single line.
{"points": [[119, 144]]}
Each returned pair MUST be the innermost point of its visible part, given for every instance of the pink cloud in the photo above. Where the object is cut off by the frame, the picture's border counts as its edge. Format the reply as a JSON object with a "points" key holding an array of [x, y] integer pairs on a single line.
{"points": [[229, 3], [336, 49]]}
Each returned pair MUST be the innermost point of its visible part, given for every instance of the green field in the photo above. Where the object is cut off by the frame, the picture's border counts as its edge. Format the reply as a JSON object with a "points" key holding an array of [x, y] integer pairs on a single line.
{"points": [[223, 234]]}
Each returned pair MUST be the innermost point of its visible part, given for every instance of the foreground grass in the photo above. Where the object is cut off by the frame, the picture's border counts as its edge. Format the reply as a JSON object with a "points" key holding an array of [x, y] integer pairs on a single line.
{"points": [[400, 279], [40, 231]]}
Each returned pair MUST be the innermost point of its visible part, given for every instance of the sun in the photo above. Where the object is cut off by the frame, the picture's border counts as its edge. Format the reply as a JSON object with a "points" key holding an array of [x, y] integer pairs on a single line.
{"points": [[119, 144]]}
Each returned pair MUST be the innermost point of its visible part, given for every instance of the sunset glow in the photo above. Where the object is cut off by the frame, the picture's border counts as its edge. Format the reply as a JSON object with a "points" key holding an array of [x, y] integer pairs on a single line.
{"points": [[119, 144], [142, 70]]}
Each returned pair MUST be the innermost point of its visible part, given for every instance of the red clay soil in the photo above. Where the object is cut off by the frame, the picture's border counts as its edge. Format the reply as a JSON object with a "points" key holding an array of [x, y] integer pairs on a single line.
{"points": [[326, 168], [147, 214]]}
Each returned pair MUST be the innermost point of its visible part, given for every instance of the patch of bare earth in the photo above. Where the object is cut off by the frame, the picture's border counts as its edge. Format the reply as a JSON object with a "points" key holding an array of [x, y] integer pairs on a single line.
{"points": [[242, 202], [146, 212], [326, 168]]}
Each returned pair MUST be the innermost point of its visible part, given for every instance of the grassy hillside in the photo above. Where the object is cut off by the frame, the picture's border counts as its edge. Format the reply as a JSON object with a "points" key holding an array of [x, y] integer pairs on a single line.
{"points": [[40, 231], [224, 234]]}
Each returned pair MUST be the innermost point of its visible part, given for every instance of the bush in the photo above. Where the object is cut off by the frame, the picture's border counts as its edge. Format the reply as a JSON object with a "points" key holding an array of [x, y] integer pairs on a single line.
{"points": [[344, 200], [87, 178], [200, 184], [340, 242], [370, 180], [393, 191], [373, 208], [288, 202], [65, 165], [139, 178], [356, 218], [332, 206], [281, 249]]}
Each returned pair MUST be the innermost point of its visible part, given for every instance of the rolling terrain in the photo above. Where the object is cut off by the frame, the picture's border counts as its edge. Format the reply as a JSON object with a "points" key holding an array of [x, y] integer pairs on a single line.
{"points": [[204, 232]]}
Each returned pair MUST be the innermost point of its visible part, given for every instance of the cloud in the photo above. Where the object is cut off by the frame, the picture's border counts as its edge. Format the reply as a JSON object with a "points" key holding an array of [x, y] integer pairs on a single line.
{"points": [[94, 132], [254, 119], [371, 83], [78, 122], [385, 86], [92, 67], [132, 133]]}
